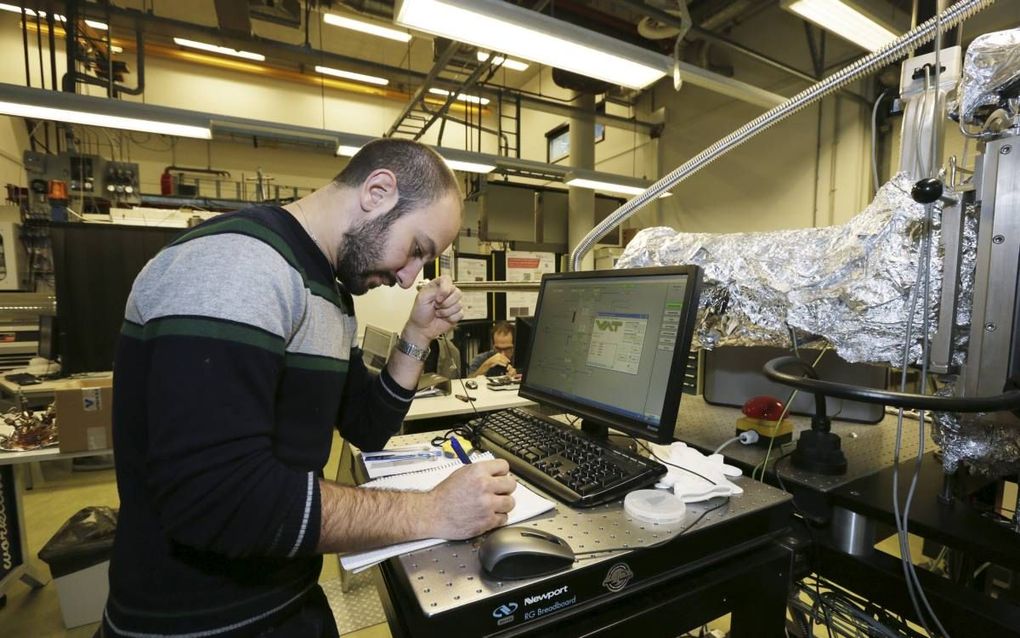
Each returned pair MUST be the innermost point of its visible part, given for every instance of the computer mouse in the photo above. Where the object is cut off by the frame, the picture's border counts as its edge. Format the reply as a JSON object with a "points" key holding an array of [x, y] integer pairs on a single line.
{"points": [[510, 553], [471, 385]]}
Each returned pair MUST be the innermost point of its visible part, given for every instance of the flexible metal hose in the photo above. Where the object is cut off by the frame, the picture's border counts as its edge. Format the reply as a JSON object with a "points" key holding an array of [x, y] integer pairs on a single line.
{"points": [[896, 49]]}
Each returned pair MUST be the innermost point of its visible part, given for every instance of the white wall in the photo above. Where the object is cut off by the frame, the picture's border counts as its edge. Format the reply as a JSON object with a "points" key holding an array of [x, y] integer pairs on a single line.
{"points": [[809, 170], [13, 138]]}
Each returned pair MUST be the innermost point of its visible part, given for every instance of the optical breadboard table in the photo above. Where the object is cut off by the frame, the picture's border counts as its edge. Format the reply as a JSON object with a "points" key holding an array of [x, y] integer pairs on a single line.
{"points": [[728, 562]]}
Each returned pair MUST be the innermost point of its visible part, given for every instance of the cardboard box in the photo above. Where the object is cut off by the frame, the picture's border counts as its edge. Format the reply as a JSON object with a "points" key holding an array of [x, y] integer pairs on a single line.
{"points": [[85, 415]]}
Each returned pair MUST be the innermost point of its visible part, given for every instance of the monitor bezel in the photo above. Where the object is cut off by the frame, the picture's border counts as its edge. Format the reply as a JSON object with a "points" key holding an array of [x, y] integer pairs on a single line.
{"points": [[678, 367]]}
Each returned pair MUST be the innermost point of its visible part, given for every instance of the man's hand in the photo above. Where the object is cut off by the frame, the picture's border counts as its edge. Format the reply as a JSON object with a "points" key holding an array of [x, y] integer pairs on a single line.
{"points": [[498, 359], [436, 310], [474, 499]]}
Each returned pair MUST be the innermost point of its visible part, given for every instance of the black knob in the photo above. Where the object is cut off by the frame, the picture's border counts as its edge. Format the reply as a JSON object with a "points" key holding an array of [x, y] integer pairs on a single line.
{"points": [[927, 190]]}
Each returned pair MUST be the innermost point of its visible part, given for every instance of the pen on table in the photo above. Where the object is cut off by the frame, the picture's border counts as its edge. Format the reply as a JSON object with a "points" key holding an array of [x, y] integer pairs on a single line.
{"points": [[369, 457], [459, 451], [464, 397]]}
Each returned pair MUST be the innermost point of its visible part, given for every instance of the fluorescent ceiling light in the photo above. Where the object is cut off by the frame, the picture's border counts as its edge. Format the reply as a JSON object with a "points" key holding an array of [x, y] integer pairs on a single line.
{"points": [[500, 26], [366, 27], [845, 20], [212, 48], [106, 121], [349, 75], [608, 187], [344, 150], [95, 24], [463, 97], [16, 9], [469, 167], [506, 63]]}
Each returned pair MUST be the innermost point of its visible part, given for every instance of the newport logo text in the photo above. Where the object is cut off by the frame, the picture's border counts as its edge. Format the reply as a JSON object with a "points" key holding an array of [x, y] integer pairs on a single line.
{"points": [[531, 600]]}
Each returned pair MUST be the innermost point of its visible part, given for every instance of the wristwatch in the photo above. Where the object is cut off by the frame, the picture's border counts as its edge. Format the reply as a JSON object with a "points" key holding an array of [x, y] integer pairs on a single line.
{"points": [[413, 351]]}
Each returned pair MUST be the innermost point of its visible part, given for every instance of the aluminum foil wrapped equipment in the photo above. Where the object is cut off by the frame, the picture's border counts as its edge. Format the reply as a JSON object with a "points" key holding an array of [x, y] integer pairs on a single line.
{"points": [[991, 75], [849, 285]]}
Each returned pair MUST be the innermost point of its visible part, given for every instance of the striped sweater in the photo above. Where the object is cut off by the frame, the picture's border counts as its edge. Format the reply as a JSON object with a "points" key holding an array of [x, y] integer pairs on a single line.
{"points": [[236, 361]]}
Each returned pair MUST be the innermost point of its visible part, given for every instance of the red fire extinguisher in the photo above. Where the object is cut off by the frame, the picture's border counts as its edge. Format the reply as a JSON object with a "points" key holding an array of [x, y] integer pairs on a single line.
{"points": [[166, 183]]}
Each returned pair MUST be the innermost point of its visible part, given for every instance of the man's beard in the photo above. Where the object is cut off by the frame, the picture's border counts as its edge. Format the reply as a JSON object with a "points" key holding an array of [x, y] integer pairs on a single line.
{"points": [[361, 250]]}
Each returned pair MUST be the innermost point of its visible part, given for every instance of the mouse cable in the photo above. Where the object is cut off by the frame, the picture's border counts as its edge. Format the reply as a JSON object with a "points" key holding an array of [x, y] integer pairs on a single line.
{"points": [[590, 554]]}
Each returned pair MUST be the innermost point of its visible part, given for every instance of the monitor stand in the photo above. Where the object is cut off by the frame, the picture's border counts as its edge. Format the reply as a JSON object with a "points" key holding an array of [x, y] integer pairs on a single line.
{"points": [[600, 431]]}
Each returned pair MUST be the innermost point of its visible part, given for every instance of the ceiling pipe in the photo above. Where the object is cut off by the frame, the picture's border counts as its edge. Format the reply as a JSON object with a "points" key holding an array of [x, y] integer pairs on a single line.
{"points": [[296, 53]]}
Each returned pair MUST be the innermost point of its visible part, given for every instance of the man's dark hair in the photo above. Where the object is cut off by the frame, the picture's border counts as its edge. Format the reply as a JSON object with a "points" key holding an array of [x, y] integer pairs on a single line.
{"points": [[422, 175], [500, 328]]}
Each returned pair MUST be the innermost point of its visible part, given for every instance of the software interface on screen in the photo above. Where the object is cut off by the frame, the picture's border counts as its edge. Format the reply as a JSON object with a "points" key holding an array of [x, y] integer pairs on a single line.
{"points": [[608, 342]]}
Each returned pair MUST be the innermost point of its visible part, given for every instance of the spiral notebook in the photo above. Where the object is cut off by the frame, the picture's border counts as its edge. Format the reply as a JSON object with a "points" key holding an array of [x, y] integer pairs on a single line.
{"points": [[526, 505]]}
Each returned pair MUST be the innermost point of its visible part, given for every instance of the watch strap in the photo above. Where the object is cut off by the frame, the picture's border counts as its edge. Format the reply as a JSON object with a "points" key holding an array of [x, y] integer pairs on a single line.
{"points": [[415, 352]]}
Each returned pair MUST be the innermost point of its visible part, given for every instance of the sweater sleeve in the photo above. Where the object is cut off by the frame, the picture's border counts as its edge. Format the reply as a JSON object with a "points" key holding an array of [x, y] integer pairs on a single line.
{"points": [[373, 406], [216, 354]]}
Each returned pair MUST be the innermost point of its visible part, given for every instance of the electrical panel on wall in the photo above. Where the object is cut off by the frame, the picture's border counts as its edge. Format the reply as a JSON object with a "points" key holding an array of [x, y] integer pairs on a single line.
{"points": [[92, 180]]}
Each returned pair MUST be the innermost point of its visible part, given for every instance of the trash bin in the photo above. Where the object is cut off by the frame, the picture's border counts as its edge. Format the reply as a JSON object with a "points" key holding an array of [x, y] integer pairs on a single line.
{"points": [[79, 559]]}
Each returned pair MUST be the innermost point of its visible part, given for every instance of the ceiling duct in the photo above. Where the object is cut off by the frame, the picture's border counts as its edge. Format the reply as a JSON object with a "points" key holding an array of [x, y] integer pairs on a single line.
{"points": [[285, 12], [580, 83], [233, 16]]}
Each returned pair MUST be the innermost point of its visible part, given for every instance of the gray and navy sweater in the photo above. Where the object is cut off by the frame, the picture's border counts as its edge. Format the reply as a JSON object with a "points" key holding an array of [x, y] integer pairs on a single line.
{"points": [[236, 360]]}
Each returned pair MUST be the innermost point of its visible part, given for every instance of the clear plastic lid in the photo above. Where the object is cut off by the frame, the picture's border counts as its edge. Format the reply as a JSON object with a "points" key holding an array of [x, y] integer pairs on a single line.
{"points": [[654, 506]]}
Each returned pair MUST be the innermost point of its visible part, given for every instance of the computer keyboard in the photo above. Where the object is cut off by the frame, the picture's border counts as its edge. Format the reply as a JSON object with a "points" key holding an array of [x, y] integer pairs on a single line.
{"points": [[570, 465]]}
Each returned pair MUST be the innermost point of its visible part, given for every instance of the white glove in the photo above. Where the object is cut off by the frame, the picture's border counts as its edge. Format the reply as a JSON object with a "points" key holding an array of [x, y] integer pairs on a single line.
{"points": [[691, 488]]}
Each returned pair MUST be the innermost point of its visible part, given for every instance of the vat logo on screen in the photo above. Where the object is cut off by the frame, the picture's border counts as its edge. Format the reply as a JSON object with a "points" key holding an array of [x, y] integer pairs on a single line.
{"points": [[611, 326]]}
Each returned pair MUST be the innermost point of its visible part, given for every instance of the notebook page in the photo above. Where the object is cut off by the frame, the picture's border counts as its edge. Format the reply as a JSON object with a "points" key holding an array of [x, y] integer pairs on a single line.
{"points": [[527, 504]]}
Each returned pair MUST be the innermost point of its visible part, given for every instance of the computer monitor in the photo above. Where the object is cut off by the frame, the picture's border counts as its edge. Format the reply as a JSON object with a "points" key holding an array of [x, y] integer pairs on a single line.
{"points": [[94, 267], [612, 346], [48, 337], [523, 328], [376, 346]]}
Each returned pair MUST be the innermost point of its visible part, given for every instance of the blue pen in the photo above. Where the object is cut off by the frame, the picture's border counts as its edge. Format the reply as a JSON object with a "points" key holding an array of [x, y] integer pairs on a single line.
{"points": [[459, 451]]}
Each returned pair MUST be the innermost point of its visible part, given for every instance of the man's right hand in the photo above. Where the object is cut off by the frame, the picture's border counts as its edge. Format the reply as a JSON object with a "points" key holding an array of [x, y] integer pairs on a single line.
{"points": [[474, 499]]}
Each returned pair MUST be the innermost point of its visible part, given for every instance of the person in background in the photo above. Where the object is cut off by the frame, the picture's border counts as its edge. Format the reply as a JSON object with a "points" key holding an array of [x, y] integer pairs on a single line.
{"points": [[499, 360], [236, 363]]}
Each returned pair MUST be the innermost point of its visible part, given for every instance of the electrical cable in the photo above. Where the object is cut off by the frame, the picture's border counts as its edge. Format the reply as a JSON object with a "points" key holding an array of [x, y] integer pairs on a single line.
{"points": [[786, 409], [789, 405], [874, 139], [924, 272], [911, 303], [665, 462]]}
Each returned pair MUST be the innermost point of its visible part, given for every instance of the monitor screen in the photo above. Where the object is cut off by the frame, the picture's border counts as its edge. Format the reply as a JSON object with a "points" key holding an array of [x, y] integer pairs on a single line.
{"points": [[376, 346], [612, 346], [48, 337], [94, 266], [523, 327]]}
